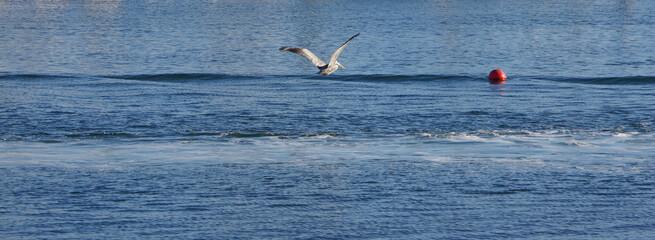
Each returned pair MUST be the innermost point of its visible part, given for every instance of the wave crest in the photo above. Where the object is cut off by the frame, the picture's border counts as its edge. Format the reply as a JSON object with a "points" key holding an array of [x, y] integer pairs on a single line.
{"points": [[628, 80], [178, 77], [395, 78]]}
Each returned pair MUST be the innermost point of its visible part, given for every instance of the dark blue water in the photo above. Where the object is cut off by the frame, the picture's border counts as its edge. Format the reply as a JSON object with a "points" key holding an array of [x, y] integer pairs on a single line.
{"points": [[183, 120]]}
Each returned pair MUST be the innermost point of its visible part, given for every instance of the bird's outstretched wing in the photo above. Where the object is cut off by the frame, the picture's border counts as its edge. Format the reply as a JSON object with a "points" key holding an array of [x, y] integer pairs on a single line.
{"points": [[305, 53], [336, 53]]}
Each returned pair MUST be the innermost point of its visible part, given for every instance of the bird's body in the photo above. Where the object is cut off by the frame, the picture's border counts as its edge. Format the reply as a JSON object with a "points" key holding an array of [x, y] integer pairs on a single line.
{"points": [[324, 69]]}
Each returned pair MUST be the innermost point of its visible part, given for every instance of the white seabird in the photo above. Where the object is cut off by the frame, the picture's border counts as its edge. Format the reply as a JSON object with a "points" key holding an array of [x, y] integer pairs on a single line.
{"points": [[324, 69]]}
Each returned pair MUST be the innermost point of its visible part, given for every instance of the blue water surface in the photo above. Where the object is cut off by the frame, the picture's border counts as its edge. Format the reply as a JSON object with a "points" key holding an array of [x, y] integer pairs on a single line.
{"points": [[183, 120]]}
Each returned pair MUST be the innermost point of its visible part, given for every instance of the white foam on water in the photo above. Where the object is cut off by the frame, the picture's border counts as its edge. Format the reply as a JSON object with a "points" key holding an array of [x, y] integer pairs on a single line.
{"points": [[598, 151]]}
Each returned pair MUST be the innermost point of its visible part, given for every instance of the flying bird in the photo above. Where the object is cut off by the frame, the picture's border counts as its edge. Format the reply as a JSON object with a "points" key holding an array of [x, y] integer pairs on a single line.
{"points": [[324, 69]]}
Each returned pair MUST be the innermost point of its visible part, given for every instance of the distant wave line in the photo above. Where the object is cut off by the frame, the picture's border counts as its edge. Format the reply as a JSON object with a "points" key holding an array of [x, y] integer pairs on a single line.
{"points": [[628, 80], [173, 77]]}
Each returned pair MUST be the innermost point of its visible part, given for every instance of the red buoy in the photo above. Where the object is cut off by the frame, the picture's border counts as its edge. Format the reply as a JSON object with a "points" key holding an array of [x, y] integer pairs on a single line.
{"points": [[497, 75]]}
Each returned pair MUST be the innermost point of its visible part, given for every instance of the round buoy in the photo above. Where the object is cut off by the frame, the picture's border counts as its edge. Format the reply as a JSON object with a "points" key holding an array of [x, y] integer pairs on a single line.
{"points": [[497, 75]]}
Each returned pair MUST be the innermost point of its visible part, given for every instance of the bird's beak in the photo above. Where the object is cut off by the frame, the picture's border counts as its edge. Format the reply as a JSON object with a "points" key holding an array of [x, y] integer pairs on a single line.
{"points": [[341, 66]]}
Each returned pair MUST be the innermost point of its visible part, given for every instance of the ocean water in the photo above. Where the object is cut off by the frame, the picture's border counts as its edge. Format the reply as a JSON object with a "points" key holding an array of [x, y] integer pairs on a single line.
{"points": [[183, 120]]}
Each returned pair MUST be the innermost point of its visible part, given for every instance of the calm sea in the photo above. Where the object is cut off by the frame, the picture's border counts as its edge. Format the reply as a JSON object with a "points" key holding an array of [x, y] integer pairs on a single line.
{"points": [[183, 120]]}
